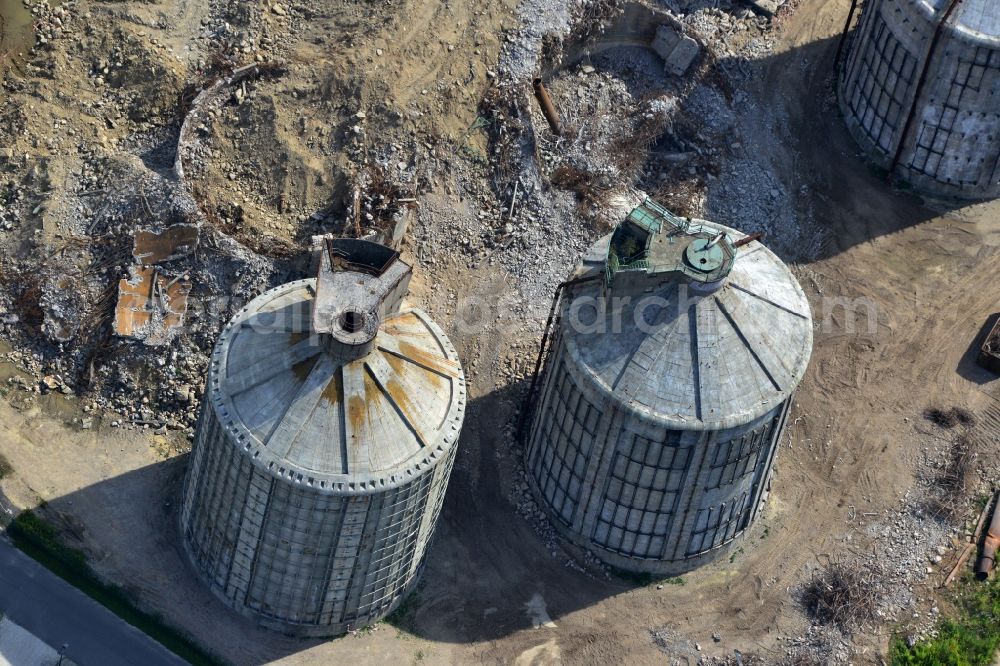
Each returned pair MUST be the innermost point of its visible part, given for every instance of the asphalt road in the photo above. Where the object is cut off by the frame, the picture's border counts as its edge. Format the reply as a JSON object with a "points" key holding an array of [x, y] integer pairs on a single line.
{"points": [[58, 613]]}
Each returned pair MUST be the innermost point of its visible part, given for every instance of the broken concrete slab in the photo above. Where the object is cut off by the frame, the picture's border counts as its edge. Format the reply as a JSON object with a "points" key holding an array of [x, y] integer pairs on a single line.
{"points": [[61, 306], [174, 242], [677, 50], [151, 305], [766, 7]]}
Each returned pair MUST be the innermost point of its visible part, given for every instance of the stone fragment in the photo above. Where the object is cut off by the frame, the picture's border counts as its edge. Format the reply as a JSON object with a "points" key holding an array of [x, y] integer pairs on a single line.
{"points": [[678, 51]]}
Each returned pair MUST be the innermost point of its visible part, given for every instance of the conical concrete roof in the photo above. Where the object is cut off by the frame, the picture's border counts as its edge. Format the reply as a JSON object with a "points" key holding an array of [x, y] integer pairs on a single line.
{"points": [[981, 18], [690, 357], [305, 413]]}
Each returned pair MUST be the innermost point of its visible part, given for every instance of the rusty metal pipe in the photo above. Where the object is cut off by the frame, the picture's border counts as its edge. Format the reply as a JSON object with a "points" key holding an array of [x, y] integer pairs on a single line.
{"points": [[746, 240], [548, 108], [971, 546], [990, 544]]}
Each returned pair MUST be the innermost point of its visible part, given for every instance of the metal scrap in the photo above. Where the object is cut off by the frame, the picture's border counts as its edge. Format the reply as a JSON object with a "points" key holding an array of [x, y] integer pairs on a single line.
{"points": [[548, 108], [152, 247], [969, 547], [991, 543], [151, 305]]}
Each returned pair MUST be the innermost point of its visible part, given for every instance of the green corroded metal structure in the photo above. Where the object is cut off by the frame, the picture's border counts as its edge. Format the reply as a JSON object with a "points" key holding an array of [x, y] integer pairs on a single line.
{"points": [[654, 240]]}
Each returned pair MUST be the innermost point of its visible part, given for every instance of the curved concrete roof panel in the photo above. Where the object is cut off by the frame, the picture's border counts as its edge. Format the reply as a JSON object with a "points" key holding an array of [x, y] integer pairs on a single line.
{"points": [[690, 359], [303, 413], [981, 17]]}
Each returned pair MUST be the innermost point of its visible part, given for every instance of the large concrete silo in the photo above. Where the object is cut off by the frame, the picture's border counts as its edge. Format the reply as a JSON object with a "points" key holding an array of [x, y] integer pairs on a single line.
{"points": [[327, 436], [676, 351], [920, 90]]}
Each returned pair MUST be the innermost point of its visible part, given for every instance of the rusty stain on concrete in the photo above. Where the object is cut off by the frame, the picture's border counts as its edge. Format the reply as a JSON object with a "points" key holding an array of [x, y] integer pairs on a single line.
{"points": [[151, 305]]}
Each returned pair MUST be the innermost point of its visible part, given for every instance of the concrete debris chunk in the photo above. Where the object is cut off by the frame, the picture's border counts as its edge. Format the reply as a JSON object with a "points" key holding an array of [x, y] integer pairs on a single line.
{"points": [[767, 7], [151, 305], [678, 51]]}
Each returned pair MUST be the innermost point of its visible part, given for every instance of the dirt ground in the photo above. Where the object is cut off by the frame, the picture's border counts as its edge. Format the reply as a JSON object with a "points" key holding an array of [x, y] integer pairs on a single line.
{"points": [[915, 275]]}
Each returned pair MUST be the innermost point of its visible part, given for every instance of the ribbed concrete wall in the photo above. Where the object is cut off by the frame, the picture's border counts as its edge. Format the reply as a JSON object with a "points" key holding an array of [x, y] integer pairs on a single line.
{"points": [[295, 560], [952, 147], [643, 497]]}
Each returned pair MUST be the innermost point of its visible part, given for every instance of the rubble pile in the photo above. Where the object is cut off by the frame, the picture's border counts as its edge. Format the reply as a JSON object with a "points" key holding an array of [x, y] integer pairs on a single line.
{"points": [[51, 22]]}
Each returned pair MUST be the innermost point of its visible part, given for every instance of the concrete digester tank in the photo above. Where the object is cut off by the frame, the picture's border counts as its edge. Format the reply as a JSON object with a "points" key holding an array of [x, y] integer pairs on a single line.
{"points": [[677, 348], [920, 90], [327, 436]]}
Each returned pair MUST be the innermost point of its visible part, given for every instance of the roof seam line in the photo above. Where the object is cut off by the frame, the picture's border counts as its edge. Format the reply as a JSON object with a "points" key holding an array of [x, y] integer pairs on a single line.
{"points": [[234, 384], [627, 364], [308, 386], [746, 343], [395, 406], [695, 359], [425, 366], [338, 375], [768, 301]]}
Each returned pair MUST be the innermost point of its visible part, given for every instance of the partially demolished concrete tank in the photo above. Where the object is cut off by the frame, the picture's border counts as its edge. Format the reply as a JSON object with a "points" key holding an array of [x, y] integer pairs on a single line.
{"points": [[920, 90], [678, 347], [326, 440]]}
